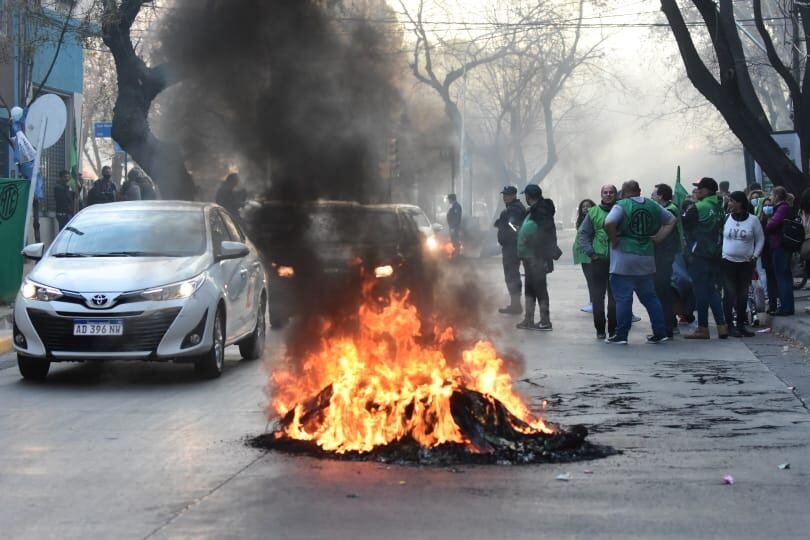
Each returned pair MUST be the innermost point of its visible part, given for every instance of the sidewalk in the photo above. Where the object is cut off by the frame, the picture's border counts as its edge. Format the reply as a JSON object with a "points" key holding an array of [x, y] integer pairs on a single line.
{"points": [[798, 326]]}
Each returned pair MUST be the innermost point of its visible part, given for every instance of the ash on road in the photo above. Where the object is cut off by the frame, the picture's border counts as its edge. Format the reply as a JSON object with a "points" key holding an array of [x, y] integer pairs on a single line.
{"points": [[150, 451]]}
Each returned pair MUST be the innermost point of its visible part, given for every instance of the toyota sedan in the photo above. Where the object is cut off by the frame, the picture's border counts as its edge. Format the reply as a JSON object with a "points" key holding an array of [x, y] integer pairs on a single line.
{"points": [[149, 280]]}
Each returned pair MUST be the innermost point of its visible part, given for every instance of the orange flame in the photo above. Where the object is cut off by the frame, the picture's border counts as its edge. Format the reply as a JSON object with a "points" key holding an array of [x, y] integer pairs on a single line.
{"points": [[449, 249], [386, 384]]}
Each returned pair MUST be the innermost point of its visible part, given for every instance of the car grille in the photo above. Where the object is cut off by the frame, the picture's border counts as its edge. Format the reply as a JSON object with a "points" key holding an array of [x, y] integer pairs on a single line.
{"points": [[141, 333]]}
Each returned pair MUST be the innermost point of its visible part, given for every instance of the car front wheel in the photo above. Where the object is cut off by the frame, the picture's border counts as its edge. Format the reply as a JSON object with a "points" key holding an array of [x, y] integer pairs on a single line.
{"points": [[252, 347], [33, 369], [210, 364]]}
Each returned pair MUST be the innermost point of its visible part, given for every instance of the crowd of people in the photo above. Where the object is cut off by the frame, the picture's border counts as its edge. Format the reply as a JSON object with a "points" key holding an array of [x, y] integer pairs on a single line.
{"points": [[684, 256]]}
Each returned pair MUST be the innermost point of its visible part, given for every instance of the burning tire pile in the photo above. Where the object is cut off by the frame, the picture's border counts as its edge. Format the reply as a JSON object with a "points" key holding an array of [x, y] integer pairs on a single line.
{"points": [[384, 393]]}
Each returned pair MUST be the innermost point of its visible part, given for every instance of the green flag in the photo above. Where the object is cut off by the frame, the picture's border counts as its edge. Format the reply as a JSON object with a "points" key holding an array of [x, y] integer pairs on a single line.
{"points": [[680, 194], [13, 202]]}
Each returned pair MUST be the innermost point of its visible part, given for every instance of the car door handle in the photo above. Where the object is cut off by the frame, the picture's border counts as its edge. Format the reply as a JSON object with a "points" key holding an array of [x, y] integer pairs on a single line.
{"points": [[243, 272]]}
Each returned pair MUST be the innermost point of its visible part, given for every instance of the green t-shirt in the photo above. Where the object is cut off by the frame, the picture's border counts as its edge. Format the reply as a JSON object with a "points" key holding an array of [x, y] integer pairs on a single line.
{"points": [[641, 221]]}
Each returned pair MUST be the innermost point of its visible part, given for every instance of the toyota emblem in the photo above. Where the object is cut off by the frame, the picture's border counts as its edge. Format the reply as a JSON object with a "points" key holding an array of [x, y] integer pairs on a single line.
{"points": [[99, 300]]}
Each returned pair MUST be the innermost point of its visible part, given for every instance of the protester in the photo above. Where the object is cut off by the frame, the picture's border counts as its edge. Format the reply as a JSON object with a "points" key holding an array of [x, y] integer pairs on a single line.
{"points": [[743, 240], [580, 257], [593, 241], [103, 190], [704, 221], [804, 215], [635, 225], [537, 249], [508, 224], [64, 199], [454, 221], [766, 258], [229, 197], [149, 191], [780, 256], [723, 188], [131, 189], [665, 254]]}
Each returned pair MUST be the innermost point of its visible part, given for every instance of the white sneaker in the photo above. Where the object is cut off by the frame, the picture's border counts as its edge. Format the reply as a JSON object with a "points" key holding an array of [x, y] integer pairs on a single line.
{"points": [[587, 309]]}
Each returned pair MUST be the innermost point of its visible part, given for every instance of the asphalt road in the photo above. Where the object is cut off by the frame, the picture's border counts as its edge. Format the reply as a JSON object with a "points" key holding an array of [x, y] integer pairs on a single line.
{"points": [[150, 451]]}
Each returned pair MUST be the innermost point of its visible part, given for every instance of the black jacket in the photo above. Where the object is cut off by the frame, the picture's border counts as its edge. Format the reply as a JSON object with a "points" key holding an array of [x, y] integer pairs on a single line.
{"points": [[454, 216], [64, 198], [509, 222], [545, 241], [103, 191]]}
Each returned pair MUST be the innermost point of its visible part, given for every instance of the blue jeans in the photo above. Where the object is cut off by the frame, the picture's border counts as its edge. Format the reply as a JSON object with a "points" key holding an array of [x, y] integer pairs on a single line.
{"points": [[705, 274], [644, 286], [784, 279]]}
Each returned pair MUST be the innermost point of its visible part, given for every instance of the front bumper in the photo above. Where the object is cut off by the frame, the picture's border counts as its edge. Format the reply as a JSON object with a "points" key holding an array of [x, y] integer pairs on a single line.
{"points": [[151, 329]]}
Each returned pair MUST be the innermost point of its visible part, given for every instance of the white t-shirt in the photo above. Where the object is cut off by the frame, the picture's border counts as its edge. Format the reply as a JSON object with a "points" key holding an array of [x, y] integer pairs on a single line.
{"points": [[742, 240]]}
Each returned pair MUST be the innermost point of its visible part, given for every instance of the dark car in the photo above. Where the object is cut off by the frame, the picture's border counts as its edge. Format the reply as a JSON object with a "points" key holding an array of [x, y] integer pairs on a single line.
{"points": [[320, 254]]}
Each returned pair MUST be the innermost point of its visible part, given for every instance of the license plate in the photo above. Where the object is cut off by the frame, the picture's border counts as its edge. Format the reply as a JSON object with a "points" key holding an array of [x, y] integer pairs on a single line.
{"points": [[98, 327]]}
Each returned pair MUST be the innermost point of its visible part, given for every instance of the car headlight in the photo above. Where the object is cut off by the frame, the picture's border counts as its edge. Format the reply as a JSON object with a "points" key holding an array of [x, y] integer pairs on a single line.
{"points": [[285, 271], [35, 291], [175, 291], [432, 244], [384, 271]]}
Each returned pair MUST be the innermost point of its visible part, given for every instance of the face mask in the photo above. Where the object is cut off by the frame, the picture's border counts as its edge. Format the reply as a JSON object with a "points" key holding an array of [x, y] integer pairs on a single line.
{"points": [[768, 210], [755, 201]]}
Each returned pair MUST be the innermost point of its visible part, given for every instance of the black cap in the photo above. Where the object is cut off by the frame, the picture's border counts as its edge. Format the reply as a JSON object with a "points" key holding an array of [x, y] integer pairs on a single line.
{"points": [[707, 183], [509, 190], [533, 190]]}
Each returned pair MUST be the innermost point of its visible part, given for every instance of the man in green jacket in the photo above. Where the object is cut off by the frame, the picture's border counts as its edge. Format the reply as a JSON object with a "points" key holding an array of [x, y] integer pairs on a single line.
{"points": [[592, 239], [635, 225], [536, 238], [704, 223]]}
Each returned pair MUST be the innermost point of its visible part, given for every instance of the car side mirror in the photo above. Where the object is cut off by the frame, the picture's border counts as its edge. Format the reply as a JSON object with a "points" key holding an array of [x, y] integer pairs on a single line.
{"points": [[233, 250], [437, 227], [34, 251]]}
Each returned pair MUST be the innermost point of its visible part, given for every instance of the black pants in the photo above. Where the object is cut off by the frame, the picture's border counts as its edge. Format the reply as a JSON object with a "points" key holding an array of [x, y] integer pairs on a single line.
{"points": [[770, 279], [511, 270], [62, 218], [536, 289], [597, 274], [736, 283], [663, 289]]}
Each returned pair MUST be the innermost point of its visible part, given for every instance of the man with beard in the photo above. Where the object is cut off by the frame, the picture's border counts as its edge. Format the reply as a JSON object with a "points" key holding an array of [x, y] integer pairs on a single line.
{"points": [[508, 225], [593, 240], [103, 190], [537, 248]]}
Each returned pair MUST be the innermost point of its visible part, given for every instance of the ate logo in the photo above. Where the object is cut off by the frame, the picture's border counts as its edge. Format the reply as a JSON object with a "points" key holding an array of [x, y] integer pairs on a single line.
{"points": [[641, 222], [8, 202]]}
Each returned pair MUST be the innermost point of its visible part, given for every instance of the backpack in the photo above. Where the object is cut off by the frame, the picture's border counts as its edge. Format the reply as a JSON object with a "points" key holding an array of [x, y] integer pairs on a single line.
{"points": [[792, 233]]}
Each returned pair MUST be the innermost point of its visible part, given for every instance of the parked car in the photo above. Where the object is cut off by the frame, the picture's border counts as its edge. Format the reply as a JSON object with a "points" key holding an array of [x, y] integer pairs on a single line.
{"points": [[145, 280], [430, 231], [318, 249]]}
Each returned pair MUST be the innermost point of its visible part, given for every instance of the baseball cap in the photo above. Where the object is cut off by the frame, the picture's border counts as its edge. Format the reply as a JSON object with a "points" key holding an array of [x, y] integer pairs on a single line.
{"points": [[509, 190], [533, 190], [707, 183]]}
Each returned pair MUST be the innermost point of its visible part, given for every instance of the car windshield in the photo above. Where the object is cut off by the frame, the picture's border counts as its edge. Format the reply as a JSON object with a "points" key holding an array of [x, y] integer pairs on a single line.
{"points": [[336, 225], [147, 233], [421, 220]]}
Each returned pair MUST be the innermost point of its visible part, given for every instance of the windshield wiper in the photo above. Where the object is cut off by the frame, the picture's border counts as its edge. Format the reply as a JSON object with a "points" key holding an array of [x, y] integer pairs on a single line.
{"points": [[72, 255], [132, 254], [74, 230]]}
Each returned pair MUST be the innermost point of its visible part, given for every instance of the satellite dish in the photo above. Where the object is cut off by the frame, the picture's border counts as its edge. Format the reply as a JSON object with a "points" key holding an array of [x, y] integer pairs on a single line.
{"points": [[52, 108]]}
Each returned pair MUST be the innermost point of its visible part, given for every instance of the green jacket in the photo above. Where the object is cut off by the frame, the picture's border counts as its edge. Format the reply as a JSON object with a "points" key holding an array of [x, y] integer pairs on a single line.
{"points": [[704, 221], [579, 255], [641, 222], [526, 238], [601, 242]]}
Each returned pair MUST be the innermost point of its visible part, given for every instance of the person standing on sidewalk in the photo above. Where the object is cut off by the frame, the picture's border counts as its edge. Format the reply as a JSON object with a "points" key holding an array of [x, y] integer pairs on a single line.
{"points": [[580, 257], [592, 239], [780, 256], [743, 240], [635, 225], [537, 239], [454, 222], [64, 199], [508, 225], [704, 221], [665, 254]]}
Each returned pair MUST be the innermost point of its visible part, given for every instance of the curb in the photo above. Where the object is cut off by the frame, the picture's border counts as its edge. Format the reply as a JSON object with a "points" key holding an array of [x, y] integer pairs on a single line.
{"points": [[793, 328]]}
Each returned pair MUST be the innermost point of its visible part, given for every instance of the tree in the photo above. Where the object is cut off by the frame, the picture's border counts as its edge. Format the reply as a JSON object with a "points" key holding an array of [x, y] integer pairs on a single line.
{"points": [[729, 87], [138, 86], [518, 73]]}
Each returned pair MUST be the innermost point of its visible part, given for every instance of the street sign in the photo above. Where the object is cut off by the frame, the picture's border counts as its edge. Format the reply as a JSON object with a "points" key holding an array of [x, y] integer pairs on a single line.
{"points": [[103, 129], [117, 147]]}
